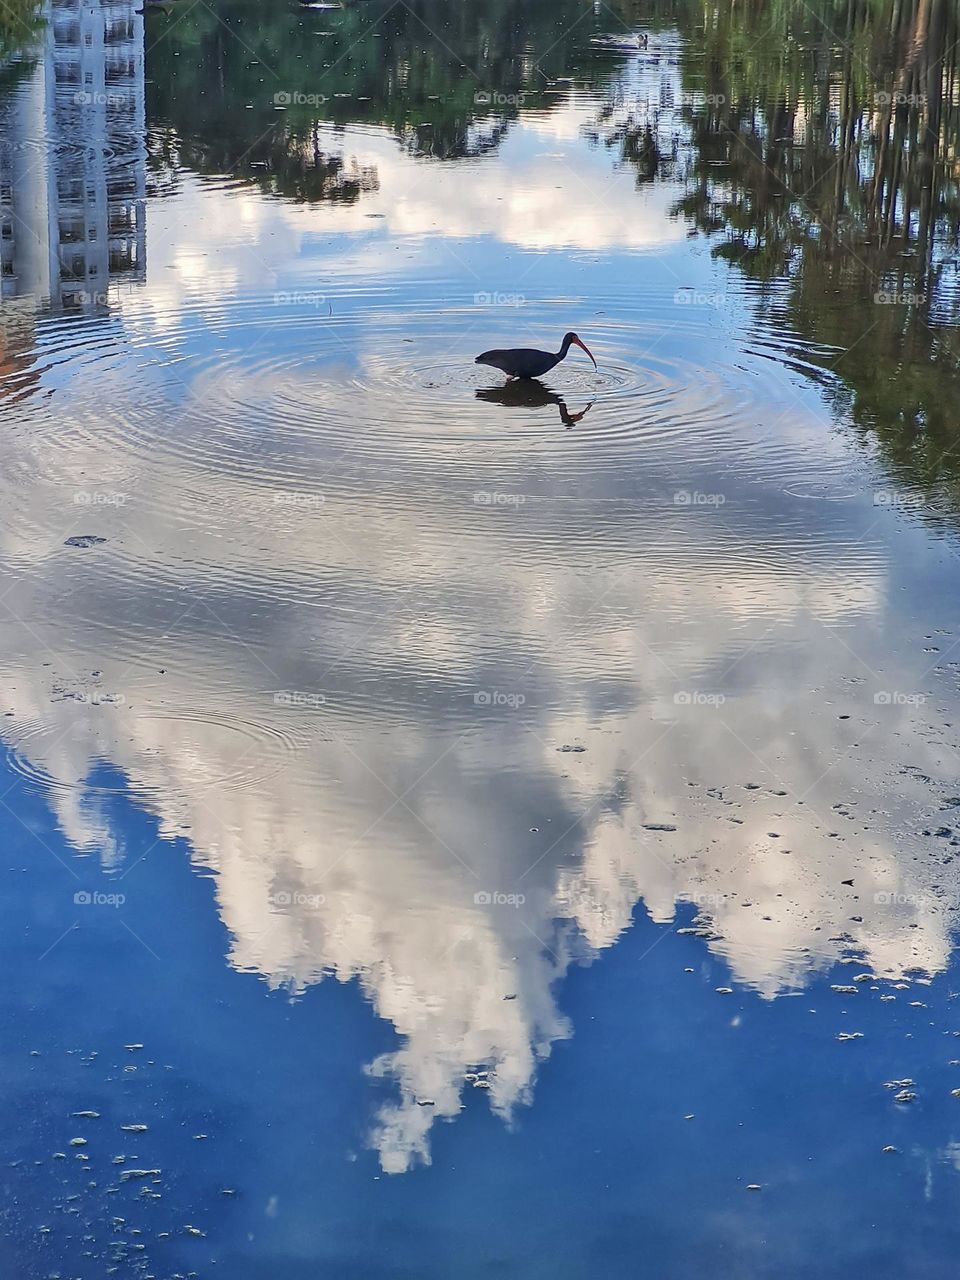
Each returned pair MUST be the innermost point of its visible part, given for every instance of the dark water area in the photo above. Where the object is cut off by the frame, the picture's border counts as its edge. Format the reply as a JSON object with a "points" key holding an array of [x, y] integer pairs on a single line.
{"points": [[452, 826]]}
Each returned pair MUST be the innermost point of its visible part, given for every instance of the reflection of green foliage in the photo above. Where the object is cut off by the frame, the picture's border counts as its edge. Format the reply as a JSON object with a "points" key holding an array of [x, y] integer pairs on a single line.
{"points": [[19, 23], [825, 167], [818, 189], [417, 70]]}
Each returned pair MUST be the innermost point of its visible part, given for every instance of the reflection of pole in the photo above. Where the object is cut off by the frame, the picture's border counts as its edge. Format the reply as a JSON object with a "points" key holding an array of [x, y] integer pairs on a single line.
{"points": [[35, 269]]}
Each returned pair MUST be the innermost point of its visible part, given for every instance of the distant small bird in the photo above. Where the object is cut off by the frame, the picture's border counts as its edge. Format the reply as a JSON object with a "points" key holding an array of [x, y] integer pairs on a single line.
{"points": [[528, 362]]}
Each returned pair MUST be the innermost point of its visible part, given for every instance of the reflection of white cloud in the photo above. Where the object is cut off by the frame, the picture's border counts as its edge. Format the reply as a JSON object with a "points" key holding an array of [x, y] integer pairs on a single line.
{"points": [[321, 871], [351, 839]]}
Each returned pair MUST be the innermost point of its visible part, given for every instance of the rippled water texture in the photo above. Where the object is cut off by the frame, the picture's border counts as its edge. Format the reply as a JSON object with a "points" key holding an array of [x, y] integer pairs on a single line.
{"points": [[459, 827]]}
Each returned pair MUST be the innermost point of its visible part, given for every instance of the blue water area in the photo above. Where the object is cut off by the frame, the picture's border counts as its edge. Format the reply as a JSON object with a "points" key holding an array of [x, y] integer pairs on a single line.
{"points": [[651, 1124]]}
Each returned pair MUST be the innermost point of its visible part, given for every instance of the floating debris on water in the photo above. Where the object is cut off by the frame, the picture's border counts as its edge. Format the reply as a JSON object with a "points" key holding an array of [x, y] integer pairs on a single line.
{"points": [[850, 1035], [84, 540]]}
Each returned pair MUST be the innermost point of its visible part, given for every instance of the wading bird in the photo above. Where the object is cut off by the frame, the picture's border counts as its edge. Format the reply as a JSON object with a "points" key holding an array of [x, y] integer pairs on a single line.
{"points": [[528, 362]]}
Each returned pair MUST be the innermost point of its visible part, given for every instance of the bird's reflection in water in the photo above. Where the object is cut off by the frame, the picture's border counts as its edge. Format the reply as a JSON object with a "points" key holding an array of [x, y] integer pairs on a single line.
{"points": [[530, 393]]}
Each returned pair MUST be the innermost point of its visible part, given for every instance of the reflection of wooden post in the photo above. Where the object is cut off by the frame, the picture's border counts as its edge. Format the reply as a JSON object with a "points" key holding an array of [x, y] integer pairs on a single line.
{"points": [[929, 165]]}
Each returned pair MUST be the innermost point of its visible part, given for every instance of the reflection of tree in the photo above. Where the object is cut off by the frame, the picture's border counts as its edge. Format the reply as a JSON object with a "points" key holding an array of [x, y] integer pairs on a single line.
{"points": [[19, 23], [825, 166], [282, 162], [447, 80]]}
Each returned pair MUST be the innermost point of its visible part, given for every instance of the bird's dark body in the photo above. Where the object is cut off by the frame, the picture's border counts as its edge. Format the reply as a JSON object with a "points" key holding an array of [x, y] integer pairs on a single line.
{"points": [[528, 362], [520, 362]]}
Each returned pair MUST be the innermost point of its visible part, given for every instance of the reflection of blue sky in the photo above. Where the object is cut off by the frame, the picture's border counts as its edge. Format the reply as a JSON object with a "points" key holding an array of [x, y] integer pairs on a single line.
{"points": [[626, 1169], [203, 401]]}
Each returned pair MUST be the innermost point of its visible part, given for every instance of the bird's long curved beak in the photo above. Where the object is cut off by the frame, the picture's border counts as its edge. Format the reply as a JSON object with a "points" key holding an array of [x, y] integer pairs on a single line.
{"points": [[583, 346]]}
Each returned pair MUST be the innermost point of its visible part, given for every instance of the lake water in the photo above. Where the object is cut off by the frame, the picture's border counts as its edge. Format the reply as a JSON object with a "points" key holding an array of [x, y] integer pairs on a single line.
{"points": [[458, 828]]}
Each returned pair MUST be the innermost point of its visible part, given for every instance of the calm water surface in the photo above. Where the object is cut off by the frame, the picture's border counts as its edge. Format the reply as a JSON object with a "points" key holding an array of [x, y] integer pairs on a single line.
{"points": [[454, 829]]}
